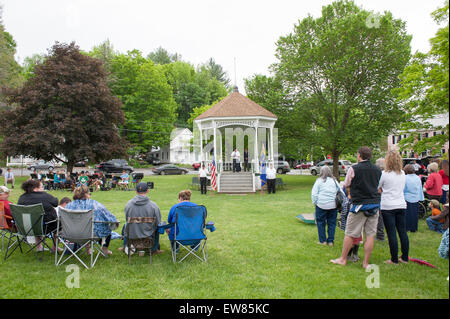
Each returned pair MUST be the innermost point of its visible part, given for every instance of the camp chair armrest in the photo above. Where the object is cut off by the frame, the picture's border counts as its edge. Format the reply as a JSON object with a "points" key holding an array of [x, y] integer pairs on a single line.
{"points": [[50, 222], [210, 226], [8, 217], [163, 227]]}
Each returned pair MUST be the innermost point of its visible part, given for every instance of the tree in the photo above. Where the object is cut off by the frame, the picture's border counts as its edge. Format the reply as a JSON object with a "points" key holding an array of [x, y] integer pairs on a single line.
{"points": [[148, 104], [339, 70], [216, 71], [162, 56], [424, 90], [104, 52], [65, 109]]}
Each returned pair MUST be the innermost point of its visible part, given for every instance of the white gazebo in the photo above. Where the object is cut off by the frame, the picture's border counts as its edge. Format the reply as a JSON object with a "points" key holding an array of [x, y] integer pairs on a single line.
{"points": [[227, 125]]}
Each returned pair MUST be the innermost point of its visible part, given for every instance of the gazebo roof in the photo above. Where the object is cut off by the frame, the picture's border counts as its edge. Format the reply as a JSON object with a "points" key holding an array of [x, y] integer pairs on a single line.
{"points": [[236, 105]]}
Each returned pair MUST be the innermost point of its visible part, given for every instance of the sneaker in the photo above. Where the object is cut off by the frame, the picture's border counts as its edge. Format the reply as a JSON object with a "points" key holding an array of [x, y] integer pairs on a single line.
{"points": [[132, 250]]}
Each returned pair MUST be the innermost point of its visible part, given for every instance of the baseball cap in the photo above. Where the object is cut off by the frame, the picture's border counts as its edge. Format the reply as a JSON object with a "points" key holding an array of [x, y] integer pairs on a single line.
{"points": [[4, 189], [142, 187]]}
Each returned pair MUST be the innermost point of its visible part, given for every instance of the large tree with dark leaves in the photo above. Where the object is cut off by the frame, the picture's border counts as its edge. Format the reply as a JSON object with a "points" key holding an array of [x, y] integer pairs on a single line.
{"points": [[65, 110]]}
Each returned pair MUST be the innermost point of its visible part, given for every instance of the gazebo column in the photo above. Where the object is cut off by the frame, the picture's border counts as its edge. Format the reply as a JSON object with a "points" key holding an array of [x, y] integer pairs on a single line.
{"points": [[271, 143], [201, 144], [215, 142], [256, 148]]}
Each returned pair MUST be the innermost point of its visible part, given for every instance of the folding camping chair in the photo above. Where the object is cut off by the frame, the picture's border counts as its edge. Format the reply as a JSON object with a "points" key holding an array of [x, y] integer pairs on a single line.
{"points": [[189, 226], [78, 228], [148, 225], [5, 229], [28, 221]]}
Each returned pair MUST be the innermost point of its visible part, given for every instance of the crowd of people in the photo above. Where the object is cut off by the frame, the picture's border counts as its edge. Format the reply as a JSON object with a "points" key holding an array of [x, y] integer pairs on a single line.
{"points": [[379, 198]]}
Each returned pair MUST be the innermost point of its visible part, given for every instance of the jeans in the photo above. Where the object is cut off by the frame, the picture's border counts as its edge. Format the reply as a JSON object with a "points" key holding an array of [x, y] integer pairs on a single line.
{"points": [[412, 216], [326, 217], [394, 221], [435, 225]]}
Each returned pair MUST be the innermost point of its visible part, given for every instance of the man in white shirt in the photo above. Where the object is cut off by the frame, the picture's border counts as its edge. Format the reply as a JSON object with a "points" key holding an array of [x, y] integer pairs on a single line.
{"points": [[236, 156], [202, 174], [9, 178], [271, 175]]}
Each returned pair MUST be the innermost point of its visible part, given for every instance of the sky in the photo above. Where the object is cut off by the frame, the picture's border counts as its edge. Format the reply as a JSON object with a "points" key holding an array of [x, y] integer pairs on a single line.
{"points": [[240, 35]]}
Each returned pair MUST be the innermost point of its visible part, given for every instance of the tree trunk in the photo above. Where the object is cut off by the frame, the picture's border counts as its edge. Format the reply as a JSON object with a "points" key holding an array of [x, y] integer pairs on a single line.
{"points": [[336, 174], [70, 165]]}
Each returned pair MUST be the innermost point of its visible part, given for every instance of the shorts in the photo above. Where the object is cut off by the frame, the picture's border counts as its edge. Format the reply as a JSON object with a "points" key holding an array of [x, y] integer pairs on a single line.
{"points": [[357, 222]]}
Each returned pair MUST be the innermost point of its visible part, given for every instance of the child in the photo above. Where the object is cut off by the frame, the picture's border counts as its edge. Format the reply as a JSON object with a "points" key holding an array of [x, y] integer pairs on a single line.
{"points": [[433, 224], [62, 204], [346, 205]]}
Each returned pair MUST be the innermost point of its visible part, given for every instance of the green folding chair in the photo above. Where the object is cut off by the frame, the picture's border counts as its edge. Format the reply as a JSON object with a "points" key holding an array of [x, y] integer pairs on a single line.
{"points": [[28, 221]]}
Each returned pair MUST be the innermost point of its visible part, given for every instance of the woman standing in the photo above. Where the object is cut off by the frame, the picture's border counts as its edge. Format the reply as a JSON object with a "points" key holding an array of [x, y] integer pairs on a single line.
{"points": [[323, 195], [413, 195], [35, 194], [82, 201], [433, 185], [393, 206], [445, 180]]}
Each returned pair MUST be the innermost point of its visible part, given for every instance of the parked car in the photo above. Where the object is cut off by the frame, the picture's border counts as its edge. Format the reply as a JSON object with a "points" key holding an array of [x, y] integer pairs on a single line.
{"points": [[306, 165], [82, 163], [282, 167], [344, 165], [153, 160], [196, 166], [41, 164], [114, 166], [170, 169]]}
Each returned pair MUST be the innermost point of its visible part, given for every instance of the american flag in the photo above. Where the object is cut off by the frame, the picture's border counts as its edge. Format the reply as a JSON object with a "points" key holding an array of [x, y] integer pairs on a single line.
{"points": [[213, 175]]}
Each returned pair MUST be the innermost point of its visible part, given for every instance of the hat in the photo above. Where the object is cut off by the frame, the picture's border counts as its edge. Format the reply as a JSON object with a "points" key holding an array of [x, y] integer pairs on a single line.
{"points": [[4, 189], [142, 187]]}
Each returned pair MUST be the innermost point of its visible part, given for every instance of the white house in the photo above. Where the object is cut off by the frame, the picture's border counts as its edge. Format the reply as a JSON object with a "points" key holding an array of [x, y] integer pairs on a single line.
{"points": [[179, 149], [440, 120]]}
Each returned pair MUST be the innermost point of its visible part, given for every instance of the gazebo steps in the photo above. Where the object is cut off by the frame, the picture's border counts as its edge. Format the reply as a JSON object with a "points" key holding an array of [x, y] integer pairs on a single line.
{"points": [[236, 183]]}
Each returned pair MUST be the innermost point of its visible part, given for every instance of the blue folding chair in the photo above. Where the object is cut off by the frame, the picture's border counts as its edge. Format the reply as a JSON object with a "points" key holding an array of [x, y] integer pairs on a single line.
{"points": [[189, 226]]}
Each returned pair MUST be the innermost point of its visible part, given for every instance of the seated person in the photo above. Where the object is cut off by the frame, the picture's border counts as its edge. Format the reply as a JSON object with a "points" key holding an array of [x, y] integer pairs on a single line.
{"points": [[98, 181], [438, 221], [125, 179], [56, 181], [141, 206], [9, 178], [4, 195], [184, 199], [115, 180], [82, 201], [83, 180]]}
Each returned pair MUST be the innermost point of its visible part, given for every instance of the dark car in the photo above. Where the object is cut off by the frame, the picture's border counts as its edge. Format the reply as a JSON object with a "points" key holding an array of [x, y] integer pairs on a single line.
{"points": [[82, 163], [169, 169], [282, 167], [114, 166]]}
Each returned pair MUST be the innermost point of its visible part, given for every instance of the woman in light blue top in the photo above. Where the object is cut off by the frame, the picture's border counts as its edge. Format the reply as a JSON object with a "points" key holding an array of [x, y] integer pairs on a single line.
{"points": [[323, 195], [413, 195]]}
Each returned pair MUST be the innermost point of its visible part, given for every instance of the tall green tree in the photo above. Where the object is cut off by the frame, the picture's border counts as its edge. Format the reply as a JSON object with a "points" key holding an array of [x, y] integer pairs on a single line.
{"points": [[339, 70], [148, 103], [10, 70], [65, 109], [425, 89], [162, 56], [217, 72]]}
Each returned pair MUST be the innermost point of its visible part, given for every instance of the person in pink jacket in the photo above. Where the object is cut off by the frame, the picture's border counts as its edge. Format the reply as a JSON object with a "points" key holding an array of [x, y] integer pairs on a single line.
{"points": [[433, 185]]}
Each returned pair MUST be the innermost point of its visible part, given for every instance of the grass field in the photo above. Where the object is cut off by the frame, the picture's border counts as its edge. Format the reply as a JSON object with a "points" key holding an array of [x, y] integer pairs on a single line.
{"points": [[259, 250]]}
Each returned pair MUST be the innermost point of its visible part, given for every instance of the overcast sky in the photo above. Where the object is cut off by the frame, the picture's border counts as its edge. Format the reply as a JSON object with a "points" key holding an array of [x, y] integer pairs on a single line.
{"points": [[197, 29]]}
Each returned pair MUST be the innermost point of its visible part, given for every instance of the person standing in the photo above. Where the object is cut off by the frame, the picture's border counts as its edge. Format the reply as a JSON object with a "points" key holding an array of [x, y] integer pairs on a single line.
{"points": [[323, 196], [433, 185], [202, 174], [381, 164], [393, 206], [246, 166], [361, 185], [236, 157], [271, 175], [9, 178], [413, 194], [445, 180]]}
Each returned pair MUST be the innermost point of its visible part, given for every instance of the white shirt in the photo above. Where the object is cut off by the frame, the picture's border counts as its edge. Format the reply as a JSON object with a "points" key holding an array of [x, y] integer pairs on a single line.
{"points": [[392, 185], [202, 172], [271, 173], [9, 175], [236, 155]]}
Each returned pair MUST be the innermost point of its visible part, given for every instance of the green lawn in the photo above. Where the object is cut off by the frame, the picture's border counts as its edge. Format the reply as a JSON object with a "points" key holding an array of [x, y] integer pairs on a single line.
{"points": [[259, 250]]}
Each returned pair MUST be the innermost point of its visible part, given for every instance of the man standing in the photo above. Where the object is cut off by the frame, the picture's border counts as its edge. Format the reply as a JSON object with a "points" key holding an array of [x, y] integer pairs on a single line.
{"points": [[141, 206], [271, 174], [9, 178], [361, 184], [203, 177], [246, 167], [236, 156]]}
